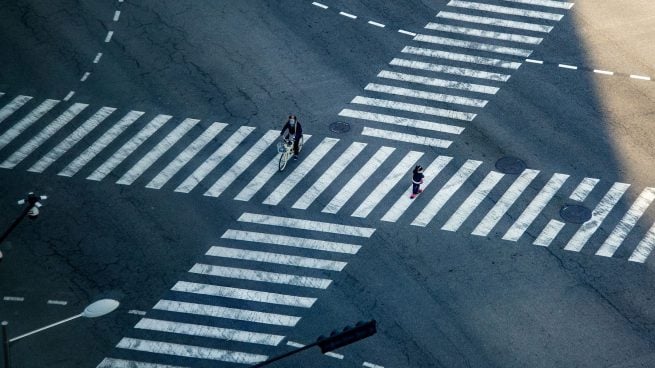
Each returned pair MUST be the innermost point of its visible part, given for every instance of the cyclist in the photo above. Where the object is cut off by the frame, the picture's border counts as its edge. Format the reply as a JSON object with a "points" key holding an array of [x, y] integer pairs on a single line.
{"points": [[295, 132]]}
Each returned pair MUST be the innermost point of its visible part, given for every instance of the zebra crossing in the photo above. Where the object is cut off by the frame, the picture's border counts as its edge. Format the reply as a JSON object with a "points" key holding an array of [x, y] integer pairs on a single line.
{"points": [[450, 70], [283, 276], [358, 179]]}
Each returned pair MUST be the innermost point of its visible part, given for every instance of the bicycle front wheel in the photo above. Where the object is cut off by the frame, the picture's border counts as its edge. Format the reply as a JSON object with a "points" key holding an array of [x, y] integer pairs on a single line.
{"points": [[300, 143], [284, 157]]}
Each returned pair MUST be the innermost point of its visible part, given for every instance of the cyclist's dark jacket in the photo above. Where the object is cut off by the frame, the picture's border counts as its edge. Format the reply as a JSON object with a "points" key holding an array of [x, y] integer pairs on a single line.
{"points": [[297, 131]]}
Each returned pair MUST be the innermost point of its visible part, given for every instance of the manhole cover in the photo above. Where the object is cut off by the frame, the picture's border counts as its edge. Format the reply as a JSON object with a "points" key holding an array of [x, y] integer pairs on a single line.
{"points": [[510, 165], [339, 127], [575, 213]]}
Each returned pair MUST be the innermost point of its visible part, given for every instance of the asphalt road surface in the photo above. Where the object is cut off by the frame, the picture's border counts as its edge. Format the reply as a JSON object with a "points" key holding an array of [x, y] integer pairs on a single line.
{"points": [[152, 128]]}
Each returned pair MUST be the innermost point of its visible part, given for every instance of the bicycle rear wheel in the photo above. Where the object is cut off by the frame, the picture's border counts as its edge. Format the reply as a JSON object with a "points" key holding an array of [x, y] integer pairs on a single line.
{"points": [[284, 157]]}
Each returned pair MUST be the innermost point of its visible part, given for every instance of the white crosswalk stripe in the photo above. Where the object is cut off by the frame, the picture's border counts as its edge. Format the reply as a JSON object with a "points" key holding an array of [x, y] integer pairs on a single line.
{"points": [[465, 58], [339, 166], [291, 241], [243, 294], [26, 122], [101, 143], [209, 331], [130, 146], [189, 351], [276, 258], [580, 238], [505, 10], [463, 72], [549, 233], [402, 204], [290, 182], [404, 137], [12, 106], [214, 160], [185, 156], [436, 82], [472, 202], [156, 152], [356, 182], [473, 45], [43, 135], [629, 220], [445, 193], [535, 207], [72, 139], [440, 97], [400, 121], [505, 202], [262, 177], [645, 247], [325, 227], [122, 363], [484, 34], [242, 165], [495, 22], [227, 313], [419, 109], [385, 186], [583, 189], [548, 3], [262, 276]]}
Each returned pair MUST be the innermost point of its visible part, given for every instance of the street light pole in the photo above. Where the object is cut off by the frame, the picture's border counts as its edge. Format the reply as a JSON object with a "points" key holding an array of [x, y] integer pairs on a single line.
{"points": [[5, 344], [31, 210]]}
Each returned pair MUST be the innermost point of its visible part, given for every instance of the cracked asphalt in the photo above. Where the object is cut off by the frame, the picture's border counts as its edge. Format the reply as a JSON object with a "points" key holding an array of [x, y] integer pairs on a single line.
{"points": [[442, 299]]}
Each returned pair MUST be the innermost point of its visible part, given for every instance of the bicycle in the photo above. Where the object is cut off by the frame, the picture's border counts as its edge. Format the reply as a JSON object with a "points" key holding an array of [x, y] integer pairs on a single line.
{"points": [[286, 150]]}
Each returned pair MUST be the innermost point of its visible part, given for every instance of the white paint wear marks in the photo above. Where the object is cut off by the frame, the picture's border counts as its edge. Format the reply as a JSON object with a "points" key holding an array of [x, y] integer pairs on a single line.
{"points": [[484, 34], [465, 58], [419, 109], [436, 82], [473, 45], [505, 10], [227, 313], [276, 258], [121, 363], [294, 223], [261, 276], [446, 69], [291, 241], [189, 351], [400, 121], [495, 22], [243, 294], [440, 97]]}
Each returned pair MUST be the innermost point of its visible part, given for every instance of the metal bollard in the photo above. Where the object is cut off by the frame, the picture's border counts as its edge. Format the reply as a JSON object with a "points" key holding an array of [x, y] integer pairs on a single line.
{"points": [[5, 343]]}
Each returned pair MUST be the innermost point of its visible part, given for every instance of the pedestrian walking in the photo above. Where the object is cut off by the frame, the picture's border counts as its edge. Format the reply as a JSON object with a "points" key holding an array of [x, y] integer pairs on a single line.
{"points": [[417, 180]]}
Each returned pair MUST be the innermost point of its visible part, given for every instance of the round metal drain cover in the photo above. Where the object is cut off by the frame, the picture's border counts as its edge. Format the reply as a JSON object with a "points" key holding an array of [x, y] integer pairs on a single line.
{"points": [[339, 127], [575, 213], [510, 165]]}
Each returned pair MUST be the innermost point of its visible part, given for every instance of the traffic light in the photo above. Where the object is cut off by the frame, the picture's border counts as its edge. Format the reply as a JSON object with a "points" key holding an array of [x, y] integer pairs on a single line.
{"points": [[349, 335]]}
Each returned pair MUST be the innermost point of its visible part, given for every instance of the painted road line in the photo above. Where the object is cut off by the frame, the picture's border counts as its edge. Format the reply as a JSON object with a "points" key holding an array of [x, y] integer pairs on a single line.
{"points": [[185, 156], [645, 247], [534, 61], [96, 60], [325, 227], [549, 233], [26, 122], [100, 144], [243, 294], [307, 164], [535, 207], [69, 95], [12, 106], [547, 3], [474, 32], [122, 363], [435, 82], [189, 351], [642, 77], [291, 241], [319, 5], [348, 190], [505, 10], [400, 121], [85, 76], [465, 58], [415, 93], [376, 24], [137, 312], [262, 177], [586, 230], [419, 109], [473, 45], [43, 135], [156, 152], [603, 72], [299, 345], [209, 331], [629, 220], [261, 276], [403, 202], [495, 22], [72, 139], [583, 189], [128, 148], [337, 167], [348, 15], [385, 186], [472, 202], [505, 202], [227, 313], [445, 193], [404, 137], [242, 165], [406, 32], [566, 66], [117, 15], [276, 258], [58, 302], [214, 160], [109, 34], [13, 298], [462, 72], [368, 365]]}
